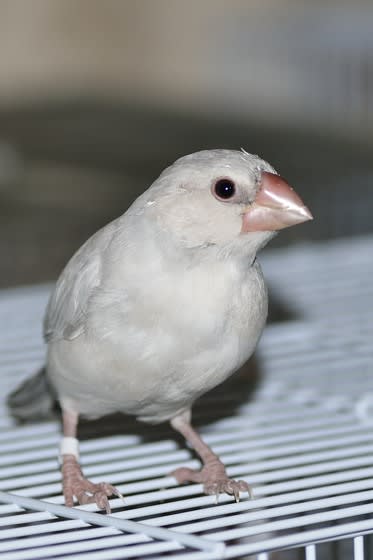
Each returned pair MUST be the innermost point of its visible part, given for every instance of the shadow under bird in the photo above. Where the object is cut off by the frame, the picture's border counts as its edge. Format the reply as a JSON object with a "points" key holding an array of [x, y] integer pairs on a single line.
{"points": [[160, 306]]}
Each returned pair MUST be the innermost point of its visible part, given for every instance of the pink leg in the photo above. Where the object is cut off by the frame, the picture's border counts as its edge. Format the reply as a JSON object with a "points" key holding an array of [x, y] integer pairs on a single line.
{"points": [[73, 481], [212, 475]]}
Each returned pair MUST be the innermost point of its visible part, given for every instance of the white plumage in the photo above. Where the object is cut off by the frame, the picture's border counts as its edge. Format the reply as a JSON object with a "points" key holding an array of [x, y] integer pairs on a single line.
{"points": [[162, 304], [168, 300]]}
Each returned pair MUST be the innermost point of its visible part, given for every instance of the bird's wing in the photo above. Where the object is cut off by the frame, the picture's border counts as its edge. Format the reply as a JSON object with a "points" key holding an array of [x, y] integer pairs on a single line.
{"points": [[67, 308]]}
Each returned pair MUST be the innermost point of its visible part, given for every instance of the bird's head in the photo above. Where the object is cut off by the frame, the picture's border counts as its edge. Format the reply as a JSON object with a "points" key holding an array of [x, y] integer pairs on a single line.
{"points": [[223, 198]]}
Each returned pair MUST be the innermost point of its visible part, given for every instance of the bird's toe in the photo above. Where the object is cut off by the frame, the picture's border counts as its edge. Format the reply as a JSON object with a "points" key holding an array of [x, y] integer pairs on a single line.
{"points": [[184, 474], [227, 486]]}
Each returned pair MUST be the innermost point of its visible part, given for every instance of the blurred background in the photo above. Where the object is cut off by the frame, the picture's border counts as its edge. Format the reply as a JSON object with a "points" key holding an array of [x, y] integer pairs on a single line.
{"points": [[96, 97]]}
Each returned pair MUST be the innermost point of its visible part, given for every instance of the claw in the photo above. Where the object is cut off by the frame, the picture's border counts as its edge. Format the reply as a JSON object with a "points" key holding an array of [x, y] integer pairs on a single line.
{"points": [[244, 487], [118, 494], [236, 493], [214, 480], [85, 491]]}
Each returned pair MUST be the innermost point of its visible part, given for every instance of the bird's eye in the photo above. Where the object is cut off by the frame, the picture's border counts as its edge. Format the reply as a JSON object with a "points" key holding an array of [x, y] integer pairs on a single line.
{"points": [[224, 189]]}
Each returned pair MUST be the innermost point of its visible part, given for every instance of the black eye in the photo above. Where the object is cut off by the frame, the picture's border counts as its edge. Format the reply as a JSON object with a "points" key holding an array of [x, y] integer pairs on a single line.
{"points": [[224, 189]]}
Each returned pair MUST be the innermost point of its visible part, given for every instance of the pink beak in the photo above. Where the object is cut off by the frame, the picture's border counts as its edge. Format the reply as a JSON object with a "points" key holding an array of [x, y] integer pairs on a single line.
{"points": [[276, 206]]}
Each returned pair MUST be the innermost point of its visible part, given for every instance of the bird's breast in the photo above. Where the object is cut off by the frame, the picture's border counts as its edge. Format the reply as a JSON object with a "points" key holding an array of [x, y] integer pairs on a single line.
{"points": [[154, 353]]}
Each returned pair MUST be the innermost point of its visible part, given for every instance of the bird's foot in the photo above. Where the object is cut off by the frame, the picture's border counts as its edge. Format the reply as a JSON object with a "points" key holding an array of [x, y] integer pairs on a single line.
{"points": [[214, 479], [86, 492]]}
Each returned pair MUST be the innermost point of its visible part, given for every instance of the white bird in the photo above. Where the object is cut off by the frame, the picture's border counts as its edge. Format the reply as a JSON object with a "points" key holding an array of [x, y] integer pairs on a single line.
{"points": [[161, 305]]}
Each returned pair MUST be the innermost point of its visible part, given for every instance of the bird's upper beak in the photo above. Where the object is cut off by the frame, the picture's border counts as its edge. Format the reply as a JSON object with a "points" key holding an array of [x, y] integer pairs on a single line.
{"points": [[276, 206]]}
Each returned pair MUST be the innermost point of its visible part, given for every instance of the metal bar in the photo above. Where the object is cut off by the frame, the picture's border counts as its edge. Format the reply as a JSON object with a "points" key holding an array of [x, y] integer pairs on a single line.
{"points": [[124, 525]]}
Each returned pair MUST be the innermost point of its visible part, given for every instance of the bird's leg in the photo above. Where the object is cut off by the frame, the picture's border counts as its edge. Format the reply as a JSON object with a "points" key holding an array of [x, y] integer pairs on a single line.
{"points": [[213, 475], [74, 482]]}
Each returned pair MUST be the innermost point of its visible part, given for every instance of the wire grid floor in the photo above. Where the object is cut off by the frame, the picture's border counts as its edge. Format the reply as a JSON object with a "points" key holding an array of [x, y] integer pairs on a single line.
{"points": [[303, 438]]}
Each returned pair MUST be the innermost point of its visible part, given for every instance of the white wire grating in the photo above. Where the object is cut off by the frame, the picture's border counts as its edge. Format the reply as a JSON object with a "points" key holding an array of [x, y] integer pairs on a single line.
{"points": [[304, 438]]}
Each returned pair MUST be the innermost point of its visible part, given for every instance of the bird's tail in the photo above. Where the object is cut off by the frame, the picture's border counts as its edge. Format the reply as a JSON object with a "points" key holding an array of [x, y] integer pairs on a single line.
{"points": [[33, 399]]}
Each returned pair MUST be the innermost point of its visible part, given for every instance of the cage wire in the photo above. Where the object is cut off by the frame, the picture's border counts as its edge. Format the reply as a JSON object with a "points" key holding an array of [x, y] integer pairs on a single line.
{"points": [[301, 436]]}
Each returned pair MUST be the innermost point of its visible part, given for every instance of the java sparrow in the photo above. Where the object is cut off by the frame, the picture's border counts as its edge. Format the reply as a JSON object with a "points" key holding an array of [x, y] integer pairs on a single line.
{"points": [[161, 305]]}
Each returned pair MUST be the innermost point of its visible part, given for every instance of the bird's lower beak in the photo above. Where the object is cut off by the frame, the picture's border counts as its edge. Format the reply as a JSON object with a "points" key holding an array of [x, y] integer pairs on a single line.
{"points": [[276, 206]]}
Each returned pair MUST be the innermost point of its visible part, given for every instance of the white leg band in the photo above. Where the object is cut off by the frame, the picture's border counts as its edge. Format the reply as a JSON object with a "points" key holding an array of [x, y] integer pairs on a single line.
{"points": [[69, 446]]}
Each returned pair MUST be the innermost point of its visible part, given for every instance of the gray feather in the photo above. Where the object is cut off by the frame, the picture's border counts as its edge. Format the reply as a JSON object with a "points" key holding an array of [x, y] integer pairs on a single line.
{"points": [[67, 307], [33, 399]]}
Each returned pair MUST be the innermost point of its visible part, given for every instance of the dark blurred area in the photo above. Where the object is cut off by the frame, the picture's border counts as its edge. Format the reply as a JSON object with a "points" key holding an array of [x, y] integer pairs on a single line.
{"points": [[97, 98]]}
